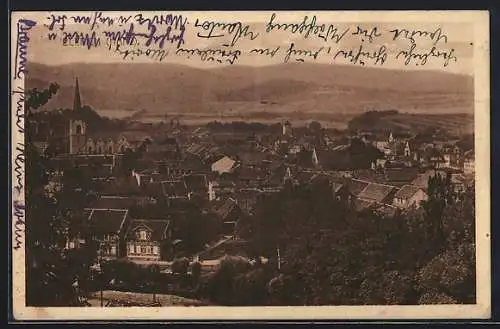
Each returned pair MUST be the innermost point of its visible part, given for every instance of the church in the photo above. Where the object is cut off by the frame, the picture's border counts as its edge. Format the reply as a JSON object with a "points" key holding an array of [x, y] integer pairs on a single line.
{"points": [[68, 133]]}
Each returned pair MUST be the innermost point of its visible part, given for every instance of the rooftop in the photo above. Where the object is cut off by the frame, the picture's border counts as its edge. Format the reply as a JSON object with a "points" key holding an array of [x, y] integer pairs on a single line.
{"points": [[407, 191], [376, 192], [107, 221], [157, 227]]}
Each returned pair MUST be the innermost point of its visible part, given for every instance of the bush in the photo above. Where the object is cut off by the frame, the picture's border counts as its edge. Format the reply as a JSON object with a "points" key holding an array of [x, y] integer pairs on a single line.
{"points": [[180, 266], [196, 270]]}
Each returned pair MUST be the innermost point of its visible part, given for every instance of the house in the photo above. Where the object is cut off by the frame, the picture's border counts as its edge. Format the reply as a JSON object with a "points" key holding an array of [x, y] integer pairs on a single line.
{"points": [[380, 163], [175, 189], [337, 189], [294, 148], [223, 165], [196, 185], [381, 145], [286, 128], [121, 202], [251, 159], [379, 193], [166, 148], [355, 187], [108, 227], [409, 195], [149, 239], [469, 164], [407, 149], [446, 160], [247, 198], [386, 210], [229, 212], [458, 183], [362, 204], [400, 176], [422, 180], [220, 188]]}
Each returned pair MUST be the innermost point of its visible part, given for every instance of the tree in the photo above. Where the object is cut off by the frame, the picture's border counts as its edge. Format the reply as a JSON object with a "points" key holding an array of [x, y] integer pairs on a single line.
{"points": [[315, 126], [196, 270], [53, 214], [221, 285], [180, 266]]}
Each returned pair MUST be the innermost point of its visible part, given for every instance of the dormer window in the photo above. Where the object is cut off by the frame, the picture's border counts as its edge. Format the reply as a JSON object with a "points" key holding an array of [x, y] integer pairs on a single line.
{"points": [[143, 235]]}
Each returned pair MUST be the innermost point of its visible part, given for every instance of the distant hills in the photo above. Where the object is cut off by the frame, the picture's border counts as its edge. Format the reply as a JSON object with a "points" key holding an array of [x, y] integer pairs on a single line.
{"points": [[152, 90]]}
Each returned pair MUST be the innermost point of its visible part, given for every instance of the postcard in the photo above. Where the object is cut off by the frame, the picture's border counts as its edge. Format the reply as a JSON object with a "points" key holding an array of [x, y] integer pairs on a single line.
{"points": [[232, 165]]}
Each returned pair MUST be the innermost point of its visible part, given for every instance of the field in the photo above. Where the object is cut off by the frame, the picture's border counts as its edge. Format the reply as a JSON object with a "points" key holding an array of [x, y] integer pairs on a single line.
{"points": [[454, 124]]}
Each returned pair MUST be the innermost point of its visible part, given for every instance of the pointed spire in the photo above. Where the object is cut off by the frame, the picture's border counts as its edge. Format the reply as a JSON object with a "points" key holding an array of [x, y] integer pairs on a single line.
{"points": [[77, 103], [315, 160]]}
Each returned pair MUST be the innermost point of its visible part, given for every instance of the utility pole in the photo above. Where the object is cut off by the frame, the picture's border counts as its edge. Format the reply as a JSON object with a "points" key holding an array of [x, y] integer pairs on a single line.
{"points": [[101, 277], [279, 258]]}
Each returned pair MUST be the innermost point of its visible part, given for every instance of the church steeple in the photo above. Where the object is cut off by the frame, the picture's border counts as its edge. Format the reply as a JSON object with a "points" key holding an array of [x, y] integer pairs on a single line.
{"points": [[77, 102]]}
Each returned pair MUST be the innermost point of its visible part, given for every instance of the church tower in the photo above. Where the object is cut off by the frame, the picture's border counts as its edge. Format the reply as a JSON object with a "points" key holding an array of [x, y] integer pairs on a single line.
{"points": [[77, 127], [77, 101], [314, 159]]}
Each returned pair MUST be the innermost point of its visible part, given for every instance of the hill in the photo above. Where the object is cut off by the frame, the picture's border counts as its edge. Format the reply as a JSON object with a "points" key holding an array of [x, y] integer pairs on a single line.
{"points": [[456, 124], [120, 90]]}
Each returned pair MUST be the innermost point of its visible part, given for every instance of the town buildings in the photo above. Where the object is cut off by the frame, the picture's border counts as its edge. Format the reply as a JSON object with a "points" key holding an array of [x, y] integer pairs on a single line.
{"points": [[145, 183]]}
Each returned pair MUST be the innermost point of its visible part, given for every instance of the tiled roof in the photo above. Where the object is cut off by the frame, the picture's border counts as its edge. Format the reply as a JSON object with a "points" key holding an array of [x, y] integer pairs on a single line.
{"points": [[157, 227], [251, 158], [387, 210], [422, 179], [123, 186], [195, 182], [362, 204], [401, 174], [407, 191], [107, 221], [356, 186], [113, 202], [153, 189], [376, 192], [226, 208], [174, 188]]}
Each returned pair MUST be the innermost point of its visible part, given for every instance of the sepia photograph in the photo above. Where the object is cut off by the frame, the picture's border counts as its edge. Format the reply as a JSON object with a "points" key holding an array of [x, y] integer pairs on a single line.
{"points": [[284, 164]]}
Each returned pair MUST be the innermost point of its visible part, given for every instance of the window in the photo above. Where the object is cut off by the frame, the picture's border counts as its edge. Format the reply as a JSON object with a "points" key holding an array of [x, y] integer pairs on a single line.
{"points": [[99, 150], [148, 250], [143, 235], [110, 149], [155, 250], [89, 149], [113, 250], [143, 249], [78, 129], [131, 249]]}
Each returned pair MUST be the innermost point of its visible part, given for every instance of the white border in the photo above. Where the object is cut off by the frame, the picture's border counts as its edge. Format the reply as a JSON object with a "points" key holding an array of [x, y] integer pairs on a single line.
{"points": [[481, 310]]}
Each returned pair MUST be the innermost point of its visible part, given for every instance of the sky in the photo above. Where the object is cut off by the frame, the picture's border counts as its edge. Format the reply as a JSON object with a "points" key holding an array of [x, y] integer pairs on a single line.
{"points": [[458, 29]]}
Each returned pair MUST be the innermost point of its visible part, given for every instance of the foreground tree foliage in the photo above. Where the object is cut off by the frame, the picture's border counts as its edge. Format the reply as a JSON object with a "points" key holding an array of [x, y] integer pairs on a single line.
{"points": [[54, 212], [332, 255]]}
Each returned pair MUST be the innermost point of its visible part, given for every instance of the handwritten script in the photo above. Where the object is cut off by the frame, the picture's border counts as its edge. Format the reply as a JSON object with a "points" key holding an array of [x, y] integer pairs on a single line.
{"points": [[23, 26], [187, 37], [18, 119]]}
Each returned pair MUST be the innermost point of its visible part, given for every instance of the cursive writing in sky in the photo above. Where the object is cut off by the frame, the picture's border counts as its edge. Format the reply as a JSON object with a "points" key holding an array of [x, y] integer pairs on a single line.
{"points": [[210, 39]]}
